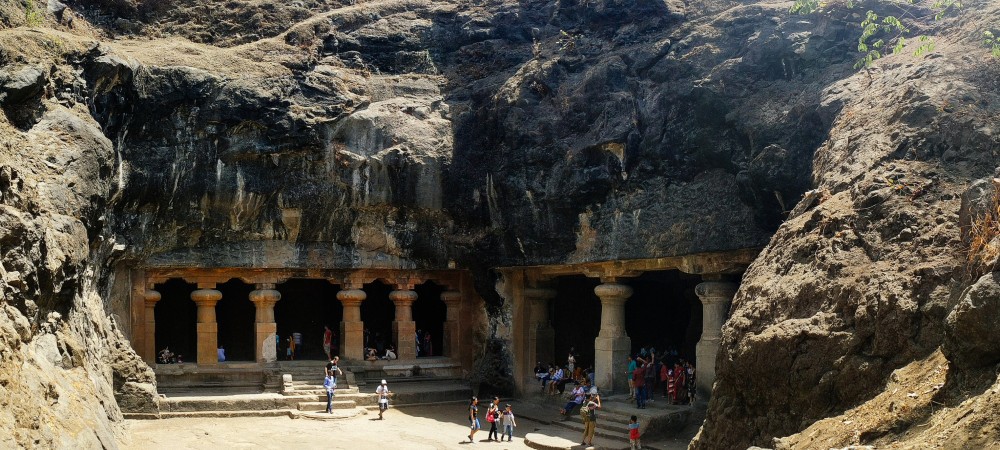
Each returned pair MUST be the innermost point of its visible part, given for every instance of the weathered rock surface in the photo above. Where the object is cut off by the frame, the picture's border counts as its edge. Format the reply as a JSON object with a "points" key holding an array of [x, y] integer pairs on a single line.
{"points": [[415, 133]]}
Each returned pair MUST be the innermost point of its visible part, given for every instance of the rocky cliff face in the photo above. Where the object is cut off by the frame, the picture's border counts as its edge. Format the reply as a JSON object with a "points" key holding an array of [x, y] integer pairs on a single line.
{"points": [[414, 133]]}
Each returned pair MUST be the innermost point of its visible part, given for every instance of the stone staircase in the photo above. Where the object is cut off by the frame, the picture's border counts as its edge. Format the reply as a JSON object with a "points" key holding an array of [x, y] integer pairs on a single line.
{"points": [[657, 421]]}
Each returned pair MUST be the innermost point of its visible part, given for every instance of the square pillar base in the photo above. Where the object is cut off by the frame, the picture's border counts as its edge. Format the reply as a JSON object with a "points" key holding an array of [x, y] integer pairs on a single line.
{"points": [[208, 344], [610, 364], [706, 351], [352, 340], [267, 348], [404, 334]]}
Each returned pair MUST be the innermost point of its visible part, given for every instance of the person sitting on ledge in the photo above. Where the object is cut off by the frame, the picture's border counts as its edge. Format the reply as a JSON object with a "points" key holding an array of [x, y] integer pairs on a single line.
{"points": [[222, 354], [390, 353], [370, 354]]}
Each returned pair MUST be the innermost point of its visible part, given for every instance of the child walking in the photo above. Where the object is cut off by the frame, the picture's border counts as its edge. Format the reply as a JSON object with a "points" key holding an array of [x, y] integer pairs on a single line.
{"points": [[507, 419], [633, 433]]}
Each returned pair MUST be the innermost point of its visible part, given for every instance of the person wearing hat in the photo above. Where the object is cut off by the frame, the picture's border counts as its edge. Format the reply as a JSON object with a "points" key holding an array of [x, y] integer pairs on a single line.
{"points": [[383, 398], [588, 414]]}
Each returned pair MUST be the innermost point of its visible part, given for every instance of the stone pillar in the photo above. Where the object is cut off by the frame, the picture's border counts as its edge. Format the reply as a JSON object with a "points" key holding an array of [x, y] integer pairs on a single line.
{"points": [[404, 328], [453, 304], [715, 298], [612, 345], [149, 339], [208, 328], [265, 327], [541, 335], [352, 329]]}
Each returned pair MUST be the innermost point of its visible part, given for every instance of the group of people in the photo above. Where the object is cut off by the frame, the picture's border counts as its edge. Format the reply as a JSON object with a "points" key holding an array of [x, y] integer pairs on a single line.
{"points": [[330, 374], [494, 416], [647, 372], [168, 357]]}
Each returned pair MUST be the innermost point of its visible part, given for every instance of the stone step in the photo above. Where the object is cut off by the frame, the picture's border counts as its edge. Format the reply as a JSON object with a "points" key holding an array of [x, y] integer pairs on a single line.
{"points": [[321, 406], [614, 431], [196, 414]]}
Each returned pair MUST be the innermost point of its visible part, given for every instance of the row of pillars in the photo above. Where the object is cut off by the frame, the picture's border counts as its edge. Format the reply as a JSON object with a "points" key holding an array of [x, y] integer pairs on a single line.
{"points": [[351, 327], [612, 345]]}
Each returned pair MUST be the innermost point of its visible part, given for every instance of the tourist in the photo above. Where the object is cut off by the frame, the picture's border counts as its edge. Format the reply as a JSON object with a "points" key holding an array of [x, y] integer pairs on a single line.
{"points": [[473, 418], [166, 356], [370, 354], [428, 344], [547, 376], [419, 341], [508, 423], [540, 371], [571, 361], [332, 369], [554, 382], [327, 340], [689, 380], [222, 353], [290, 350], [383, 398], [589, 416], [297, 338], [390, 352], [629, 374], [655, 373], [650, 375], [329, 384], [633, 433], [676, 383], [493, 416], [664, 378], [575, 399], [639, 379]]}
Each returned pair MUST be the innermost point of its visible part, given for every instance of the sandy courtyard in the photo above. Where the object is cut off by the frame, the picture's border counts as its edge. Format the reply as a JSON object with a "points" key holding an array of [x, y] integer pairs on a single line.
{"points": [[432, 427]]}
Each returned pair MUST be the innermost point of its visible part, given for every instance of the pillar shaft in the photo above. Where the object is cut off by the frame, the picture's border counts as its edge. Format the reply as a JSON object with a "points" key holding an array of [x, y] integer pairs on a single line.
{"points": [[715, 296], [403, 328], [541, 335], [265, 329], [208, 329], [352, 339], [450, 340], [612, 345], [149, 338]]}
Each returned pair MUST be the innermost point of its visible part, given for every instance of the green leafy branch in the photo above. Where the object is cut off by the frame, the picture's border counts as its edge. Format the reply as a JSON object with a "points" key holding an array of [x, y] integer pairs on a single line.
{"points": [[992, 41]]}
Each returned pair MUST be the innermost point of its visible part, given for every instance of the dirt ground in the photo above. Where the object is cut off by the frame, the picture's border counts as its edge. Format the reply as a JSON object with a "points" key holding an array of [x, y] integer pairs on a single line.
{"points": [[432, 427]]}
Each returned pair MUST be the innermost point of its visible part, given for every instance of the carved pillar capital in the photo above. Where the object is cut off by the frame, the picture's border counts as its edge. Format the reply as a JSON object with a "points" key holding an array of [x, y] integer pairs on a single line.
{"points": [[403, 300], [715, 291], [151, 297], [264, 301], [351, 297]]}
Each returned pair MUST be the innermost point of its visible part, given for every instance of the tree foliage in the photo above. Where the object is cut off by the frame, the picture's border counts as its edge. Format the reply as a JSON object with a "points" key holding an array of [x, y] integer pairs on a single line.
{"points": [[884, 34]]}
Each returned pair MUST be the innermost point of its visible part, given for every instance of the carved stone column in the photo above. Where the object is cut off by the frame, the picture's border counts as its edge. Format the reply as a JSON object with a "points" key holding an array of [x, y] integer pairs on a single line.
{"points": [[352, 338], [404, 328], [715, 296], [149, 339], [541, 335], [453, 304], [612, 345], [264, 299], [208, 328]]}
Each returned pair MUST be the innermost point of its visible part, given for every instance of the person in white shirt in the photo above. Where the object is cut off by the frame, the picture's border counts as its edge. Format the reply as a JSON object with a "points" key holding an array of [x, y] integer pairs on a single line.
{"points": [[383, 398]]}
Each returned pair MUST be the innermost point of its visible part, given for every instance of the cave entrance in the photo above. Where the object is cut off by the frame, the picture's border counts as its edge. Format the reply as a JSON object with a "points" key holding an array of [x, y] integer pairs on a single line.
{"points": [[429, 314], [576, 319], [235, 315], [664, 313], [176, 318], [306, 306], [377, 313]]}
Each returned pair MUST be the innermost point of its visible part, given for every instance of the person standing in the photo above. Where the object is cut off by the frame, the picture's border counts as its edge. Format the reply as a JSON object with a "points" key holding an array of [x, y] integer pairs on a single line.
{"points": [[473, 418], [493, 416], [589, 416], [639, 379], [650, 375], [629, 372], [332, 369], [428, 344], [633, 434], [329, 384], [508, 424], [290, 350], [297, 337], [571, 361], [327, 341], [383, 398]]}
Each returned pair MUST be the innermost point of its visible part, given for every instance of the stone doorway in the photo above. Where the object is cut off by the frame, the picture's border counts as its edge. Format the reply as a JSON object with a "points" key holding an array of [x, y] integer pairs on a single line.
{"points": [[576, 320], [307, 305], [177, 316], [664, 312], [430, 313], [377, 313], [235, 315]]}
